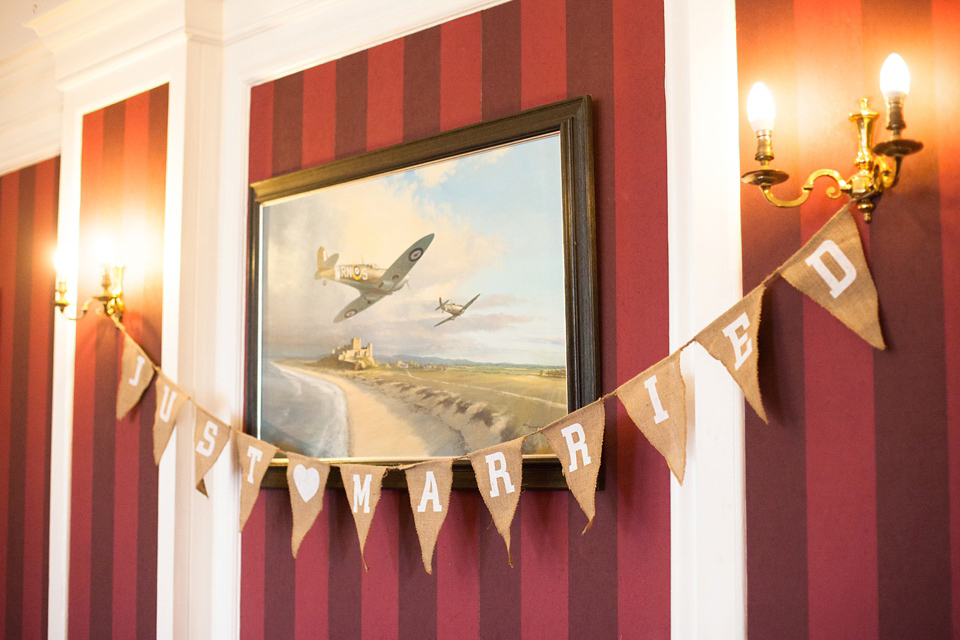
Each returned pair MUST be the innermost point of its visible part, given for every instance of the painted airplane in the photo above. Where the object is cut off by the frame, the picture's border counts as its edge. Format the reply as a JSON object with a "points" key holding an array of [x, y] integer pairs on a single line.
{"points": [[372, 282], [455, 310]]}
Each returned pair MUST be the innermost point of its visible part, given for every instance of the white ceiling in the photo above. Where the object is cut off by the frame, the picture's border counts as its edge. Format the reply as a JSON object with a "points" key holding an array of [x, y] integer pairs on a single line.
{"points": [[13, 14]]}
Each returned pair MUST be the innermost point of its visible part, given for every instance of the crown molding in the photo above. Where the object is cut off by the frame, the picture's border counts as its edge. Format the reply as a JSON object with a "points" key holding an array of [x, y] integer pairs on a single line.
{"points": [[31, 108]]}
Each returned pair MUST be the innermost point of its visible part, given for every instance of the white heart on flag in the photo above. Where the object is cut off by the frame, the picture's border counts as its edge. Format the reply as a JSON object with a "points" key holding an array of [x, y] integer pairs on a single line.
{"points": [[307, 481]]}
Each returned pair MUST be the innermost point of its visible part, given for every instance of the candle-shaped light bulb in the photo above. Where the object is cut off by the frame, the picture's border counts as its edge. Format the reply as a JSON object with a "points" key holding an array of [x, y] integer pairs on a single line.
{"points": [[59, 263], [760, 108], [105, 252], [894, 77]]}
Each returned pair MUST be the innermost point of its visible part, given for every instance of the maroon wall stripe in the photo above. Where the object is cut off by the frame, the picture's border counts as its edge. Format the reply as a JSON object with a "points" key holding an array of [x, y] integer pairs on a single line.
{"points": [[385, 94], [351, 132], [380, 586], [319, 114], [261, 136], [37, 455], [106, 219], [287, 123], [253, 567], [345, 569], [594, 573], [343, 572], [775, 453], [642, 321], [419, 71], [279, 567], [317, 145], [544, 514], [913, 502], [82, 489], [946, 19], [9, 217], [421, 84], [499, 583], [457, 560], [19, 406], [135, 141], [151, 302], [501, 61]]}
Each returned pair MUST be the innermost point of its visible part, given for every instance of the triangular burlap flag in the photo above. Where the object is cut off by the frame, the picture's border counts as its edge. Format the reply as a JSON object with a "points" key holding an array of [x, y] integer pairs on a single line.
{"points": [[429, 486], [832, 270], [209, 437], [499, 473], [306, 479], [656, 402], [136, 372], [732, 339], [254, 456], [170, 399], [577, 439], [361, 482]]}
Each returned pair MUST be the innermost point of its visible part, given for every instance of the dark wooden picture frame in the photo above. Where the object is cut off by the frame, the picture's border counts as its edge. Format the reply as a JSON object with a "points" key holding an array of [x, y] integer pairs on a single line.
{"points": [[570, 121]]}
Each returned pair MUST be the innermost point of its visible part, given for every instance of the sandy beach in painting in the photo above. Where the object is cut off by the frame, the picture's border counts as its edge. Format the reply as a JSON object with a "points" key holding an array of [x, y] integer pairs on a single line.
{"points": [[401, 414]]}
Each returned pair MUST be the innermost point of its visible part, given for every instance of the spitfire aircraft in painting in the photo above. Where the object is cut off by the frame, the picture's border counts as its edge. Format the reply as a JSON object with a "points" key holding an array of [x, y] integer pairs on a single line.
{"points": [[455, 310], [372, 282]]}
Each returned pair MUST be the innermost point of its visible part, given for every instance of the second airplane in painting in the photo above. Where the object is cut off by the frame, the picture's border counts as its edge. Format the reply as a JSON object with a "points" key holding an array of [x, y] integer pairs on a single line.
{"points": [[455, 310]]}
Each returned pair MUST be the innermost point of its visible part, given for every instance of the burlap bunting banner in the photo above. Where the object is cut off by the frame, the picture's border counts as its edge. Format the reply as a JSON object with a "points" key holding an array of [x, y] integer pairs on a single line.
{"points": [[209, 437], [656, 402], [577, 439], [832, 270], [732, 339], [254, 456], [306, 480], [499, 473], [136, 372], [361, 482], [429, 486], [170, 399]]}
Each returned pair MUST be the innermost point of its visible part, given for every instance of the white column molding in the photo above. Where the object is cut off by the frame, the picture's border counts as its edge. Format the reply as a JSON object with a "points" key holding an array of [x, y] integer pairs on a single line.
{"points": [[708, 534]]}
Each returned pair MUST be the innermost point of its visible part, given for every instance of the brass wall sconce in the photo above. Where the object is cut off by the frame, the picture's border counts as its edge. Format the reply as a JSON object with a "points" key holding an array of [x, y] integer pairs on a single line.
{"points": [[878, 166], [110, 296]]}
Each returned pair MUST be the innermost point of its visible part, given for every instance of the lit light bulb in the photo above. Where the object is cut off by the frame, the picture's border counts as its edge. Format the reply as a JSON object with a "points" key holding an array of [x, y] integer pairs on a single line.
{"points": [[760, 108], [894, 77], [59, 262], [105, 251]]}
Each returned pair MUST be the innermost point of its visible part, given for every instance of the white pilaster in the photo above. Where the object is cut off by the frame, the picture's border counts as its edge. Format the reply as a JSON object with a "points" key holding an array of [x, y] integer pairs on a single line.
{"points": [[708, 534]]}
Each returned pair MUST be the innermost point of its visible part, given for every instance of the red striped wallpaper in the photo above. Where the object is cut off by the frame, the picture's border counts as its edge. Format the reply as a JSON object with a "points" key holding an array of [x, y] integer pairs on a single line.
{"points": [[113, 528], [615, 579], [28, 215], [853, 489]]}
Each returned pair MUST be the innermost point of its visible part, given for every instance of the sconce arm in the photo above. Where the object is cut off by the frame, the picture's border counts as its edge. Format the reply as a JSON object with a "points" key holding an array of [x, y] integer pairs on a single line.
{"points": [[112, 307], [832, 192]]}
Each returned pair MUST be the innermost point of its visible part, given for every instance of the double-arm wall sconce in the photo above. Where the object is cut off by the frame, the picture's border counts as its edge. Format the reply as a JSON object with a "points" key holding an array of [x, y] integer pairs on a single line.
{"points": [[111, 289], [878, 167]]}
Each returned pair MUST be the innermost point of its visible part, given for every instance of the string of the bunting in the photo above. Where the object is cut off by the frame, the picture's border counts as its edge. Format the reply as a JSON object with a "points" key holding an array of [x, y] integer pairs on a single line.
{"points": [[830, 268]]}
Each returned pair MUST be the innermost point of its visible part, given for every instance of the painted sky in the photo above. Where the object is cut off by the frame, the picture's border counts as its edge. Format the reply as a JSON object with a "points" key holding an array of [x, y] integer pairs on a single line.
{"points": [[497, 220]]}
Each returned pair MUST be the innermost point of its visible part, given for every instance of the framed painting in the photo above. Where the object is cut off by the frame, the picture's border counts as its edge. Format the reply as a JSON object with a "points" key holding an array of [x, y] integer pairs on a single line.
{"points": [[428, 299]]}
